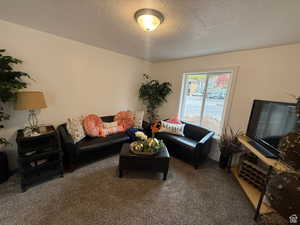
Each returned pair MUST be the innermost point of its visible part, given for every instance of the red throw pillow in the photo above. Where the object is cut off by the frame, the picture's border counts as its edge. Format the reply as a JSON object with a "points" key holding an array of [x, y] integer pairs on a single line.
{"points": [[125, 119], [174, 120], [92, 125]]}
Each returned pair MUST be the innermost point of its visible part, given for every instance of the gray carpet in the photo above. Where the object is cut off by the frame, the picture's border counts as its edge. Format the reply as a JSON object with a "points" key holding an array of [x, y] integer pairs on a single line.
{"points": [[94, 194]]}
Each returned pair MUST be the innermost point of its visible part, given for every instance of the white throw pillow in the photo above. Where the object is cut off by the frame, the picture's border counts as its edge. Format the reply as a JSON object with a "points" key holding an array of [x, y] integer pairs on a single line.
{"points": [[110, 125], [138, 119], [172, 128], [75, 128]]}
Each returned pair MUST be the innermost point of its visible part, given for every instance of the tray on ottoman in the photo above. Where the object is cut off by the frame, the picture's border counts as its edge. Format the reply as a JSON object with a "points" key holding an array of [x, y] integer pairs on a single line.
{"points": [[155, 163]]}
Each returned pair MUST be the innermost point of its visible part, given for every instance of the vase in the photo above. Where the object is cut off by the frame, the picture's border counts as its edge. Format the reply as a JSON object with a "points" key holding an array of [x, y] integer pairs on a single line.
{"points": [[224, 160]]}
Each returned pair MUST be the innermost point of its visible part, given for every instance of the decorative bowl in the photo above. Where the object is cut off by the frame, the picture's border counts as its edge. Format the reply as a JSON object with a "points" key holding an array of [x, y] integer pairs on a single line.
{"points": [[140, 148]]}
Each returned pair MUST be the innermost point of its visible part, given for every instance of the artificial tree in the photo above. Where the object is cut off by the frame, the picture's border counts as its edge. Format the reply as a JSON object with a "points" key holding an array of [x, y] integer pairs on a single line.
{"points": [[154, 94], [10, 82]]}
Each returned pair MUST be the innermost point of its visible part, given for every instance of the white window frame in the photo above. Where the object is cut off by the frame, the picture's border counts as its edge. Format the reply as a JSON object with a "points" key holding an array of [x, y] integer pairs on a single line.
{"points": [[228, 98]]}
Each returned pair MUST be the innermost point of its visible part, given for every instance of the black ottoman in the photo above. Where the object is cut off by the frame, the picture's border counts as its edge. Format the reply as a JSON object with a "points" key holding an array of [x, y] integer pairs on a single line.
{"points": [[4, 172], [155, 163]]}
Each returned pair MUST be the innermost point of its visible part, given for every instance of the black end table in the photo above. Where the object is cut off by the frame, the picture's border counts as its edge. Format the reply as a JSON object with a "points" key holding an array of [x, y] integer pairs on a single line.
{"points": [[40, 157], [4, 171], [154, 163]]}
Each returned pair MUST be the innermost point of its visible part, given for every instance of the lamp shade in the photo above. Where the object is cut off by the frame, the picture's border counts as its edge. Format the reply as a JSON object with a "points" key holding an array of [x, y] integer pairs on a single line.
{"points": [[27, 100]]}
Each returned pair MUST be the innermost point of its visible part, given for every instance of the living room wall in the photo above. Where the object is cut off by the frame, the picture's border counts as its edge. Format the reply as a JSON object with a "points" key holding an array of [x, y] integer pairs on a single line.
{"points": [[268, 73], [75, 78], [78, 79]]}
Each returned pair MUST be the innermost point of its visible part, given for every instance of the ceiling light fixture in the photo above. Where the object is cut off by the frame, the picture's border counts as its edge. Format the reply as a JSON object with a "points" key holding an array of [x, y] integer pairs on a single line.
{"points": [[148, 19]]}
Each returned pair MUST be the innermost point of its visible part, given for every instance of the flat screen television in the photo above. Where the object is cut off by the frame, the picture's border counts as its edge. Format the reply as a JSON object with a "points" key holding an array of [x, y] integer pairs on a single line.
{"points": [[270, 122]]}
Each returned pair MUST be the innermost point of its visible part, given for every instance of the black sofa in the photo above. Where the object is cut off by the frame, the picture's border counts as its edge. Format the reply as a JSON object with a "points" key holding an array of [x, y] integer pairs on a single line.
{"points": [[101, 145], [193, 147]]}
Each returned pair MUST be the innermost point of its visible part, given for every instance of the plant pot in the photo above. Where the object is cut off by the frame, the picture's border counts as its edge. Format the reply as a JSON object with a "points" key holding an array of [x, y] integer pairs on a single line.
{"points": [[4, 171], [224, 160]]}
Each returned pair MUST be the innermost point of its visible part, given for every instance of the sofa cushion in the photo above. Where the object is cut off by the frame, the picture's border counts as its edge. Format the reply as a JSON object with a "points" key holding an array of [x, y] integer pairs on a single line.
{"points": [[125, 119], [178, 140], [174, 119], [93, 143], [172, 128], [75, 128], [138, 119]]}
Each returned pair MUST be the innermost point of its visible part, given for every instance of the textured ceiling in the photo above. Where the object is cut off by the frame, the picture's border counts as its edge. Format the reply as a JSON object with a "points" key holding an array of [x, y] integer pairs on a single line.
{"points": [[191, 27]]}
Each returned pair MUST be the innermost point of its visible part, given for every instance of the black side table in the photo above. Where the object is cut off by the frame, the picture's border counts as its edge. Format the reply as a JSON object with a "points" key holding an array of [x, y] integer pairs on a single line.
{"points": [[39, 157], [4, 171]]}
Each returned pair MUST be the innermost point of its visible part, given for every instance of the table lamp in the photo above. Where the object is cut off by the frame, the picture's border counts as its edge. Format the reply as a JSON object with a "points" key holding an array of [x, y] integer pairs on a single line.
{"points": [[31, 100]]}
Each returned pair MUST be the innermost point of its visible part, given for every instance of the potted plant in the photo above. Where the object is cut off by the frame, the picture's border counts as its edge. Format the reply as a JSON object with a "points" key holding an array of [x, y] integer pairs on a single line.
{"points": [[229, 145], [154, 94], [3, 116], [10, 82]]}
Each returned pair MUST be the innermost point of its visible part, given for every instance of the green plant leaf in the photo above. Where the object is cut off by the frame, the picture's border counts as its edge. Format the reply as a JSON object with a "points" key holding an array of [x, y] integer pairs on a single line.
{"points": [[153, 94], [10, 82]]}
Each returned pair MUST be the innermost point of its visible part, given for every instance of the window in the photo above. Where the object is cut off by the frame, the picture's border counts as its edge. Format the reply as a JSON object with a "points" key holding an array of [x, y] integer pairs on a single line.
{"points": [[204, 98]]}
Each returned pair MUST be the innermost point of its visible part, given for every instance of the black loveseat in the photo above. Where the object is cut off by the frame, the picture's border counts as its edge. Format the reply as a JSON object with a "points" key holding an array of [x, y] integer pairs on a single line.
{"points": [[104, 145], [193, 147]]}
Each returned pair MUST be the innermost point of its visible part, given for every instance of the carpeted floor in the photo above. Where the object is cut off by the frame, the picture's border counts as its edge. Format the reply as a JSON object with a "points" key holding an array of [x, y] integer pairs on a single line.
{"points": [[94, 195]]}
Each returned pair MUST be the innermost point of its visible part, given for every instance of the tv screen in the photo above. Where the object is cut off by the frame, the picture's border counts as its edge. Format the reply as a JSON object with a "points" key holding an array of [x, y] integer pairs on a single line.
{"points": [[270, 121]]}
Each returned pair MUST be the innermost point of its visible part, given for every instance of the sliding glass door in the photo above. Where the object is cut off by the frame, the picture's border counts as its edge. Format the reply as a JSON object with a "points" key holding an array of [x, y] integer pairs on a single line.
{"points": [[204, 97]]}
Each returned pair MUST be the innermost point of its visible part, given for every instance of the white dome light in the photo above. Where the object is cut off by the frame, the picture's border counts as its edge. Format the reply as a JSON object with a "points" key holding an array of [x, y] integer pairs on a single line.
{"points": [[148, 19]]}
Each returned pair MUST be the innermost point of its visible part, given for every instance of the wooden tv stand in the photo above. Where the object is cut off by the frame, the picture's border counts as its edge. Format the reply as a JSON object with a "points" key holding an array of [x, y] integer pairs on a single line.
{"points": [[255, 196]]}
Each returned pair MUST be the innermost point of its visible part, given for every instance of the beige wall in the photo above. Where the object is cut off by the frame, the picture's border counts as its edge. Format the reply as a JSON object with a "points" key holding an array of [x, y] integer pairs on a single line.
{"points": [[76, 78], [268, 74]]}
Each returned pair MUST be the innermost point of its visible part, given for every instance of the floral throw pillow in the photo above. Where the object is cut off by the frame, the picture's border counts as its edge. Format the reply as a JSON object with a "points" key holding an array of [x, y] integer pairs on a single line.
{"points": [[138, 119], [172, 128], [75, 128]]}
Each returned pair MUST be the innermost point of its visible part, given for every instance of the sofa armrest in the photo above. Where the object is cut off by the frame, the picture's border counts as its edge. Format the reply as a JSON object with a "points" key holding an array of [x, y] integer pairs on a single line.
{"points": [[64, 134], [68, 146], [194, 131], [204, 146], [206, 138]]}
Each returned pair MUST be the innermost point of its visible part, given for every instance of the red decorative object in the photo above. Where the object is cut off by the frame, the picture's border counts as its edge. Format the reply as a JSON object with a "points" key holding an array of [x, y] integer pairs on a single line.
{"points": [[92, 125], [155, 127], [174, 119], [125, 119]]}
